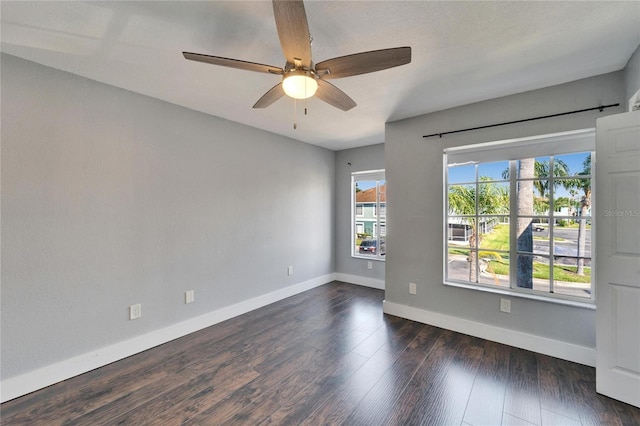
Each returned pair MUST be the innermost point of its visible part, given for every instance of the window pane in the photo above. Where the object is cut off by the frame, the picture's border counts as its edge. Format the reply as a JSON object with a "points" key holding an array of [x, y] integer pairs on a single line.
{"points": [[567, 281], [564, 206], [572, 164], [573, 240], [532, 272], [532, 197], [493, 198], [494, 234], [493, 256], [494, 171], [494, 270], [370, 226], [459, 230], [531, 236], [462, 199], [572, 197], [368, 246], [462, 174], [458, 263]]}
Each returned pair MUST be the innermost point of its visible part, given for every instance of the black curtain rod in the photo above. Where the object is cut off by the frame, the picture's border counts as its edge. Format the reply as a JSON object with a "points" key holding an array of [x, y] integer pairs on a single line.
{"points": [[601, 108]]}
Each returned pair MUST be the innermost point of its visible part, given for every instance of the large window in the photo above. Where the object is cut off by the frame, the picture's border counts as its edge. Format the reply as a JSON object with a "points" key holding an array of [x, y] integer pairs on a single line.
{"points": [[368, 214], [518, 215]]}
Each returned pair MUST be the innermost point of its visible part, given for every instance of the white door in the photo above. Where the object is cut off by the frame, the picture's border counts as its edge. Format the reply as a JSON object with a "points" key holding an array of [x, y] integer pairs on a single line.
{"points": [[617, 204]]}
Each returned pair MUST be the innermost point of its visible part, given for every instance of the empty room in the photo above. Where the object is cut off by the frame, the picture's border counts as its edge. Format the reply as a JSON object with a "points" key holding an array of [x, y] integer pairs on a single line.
{"points": [[320, 212]]}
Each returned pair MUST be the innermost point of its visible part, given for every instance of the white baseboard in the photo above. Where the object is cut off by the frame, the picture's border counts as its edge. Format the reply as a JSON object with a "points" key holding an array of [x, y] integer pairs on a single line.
{"points": [[555, 348], [363, 281], [42, 377]]}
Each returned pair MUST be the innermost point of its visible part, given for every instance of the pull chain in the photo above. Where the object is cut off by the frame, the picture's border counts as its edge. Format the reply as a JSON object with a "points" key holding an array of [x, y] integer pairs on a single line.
{"points": [[295, 114]]}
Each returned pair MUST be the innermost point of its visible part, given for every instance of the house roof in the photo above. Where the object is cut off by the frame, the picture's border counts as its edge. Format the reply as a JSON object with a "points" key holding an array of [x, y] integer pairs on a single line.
{"points": [[369, 195], [462, 52]]}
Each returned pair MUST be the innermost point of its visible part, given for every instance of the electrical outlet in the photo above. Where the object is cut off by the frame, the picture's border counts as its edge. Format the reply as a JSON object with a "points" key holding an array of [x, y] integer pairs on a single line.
{"points": [[290, 270], [505, 305], [369, 265], [413, 288], [135, 311], [189, 296]]}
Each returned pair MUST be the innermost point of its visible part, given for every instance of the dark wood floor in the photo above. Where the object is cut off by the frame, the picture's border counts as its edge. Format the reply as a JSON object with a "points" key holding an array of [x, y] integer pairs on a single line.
{"points": [[327, 356]]}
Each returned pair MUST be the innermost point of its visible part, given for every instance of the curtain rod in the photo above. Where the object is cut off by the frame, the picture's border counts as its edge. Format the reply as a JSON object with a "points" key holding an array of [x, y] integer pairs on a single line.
{"points": [[601, 108]]}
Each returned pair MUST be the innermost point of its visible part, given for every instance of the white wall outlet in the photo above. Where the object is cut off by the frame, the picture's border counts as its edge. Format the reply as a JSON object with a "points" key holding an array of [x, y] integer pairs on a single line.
{"points": [[369, 264], [413, 288], [505, 305], [290, 270], [189, 296], [135, 311]]}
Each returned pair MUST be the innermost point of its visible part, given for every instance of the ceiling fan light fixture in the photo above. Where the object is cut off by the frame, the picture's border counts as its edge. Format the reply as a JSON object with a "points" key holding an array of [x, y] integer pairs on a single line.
{"points": [[299, 84]]}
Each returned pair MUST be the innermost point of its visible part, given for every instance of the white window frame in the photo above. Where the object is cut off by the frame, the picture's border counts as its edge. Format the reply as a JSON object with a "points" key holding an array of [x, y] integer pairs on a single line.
{"points": [[369, 175], [514, 149]]}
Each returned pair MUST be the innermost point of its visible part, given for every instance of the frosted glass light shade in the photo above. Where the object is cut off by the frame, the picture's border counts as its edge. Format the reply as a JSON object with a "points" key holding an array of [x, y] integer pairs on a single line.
{"points": [[299, 84]]}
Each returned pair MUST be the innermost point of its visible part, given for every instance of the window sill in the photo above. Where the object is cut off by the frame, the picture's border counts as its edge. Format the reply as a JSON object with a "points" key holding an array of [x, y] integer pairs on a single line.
{"points": [[379, 259], [512, 293]]}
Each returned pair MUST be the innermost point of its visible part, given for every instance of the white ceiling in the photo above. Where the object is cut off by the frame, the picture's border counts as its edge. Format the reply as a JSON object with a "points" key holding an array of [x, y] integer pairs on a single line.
{"points": [[463, 52]]}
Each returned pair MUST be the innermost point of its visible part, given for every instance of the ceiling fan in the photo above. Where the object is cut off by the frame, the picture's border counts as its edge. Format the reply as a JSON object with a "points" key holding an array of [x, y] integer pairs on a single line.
{"points": [[301, 79]]}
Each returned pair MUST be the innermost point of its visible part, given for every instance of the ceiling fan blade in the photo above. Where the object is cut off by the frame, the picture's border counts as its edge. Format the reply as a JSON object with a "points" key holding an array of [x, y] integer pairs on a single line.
{"points": [[232, 63], [334, 96], [362, 63], [275, 93], [293, 30]]}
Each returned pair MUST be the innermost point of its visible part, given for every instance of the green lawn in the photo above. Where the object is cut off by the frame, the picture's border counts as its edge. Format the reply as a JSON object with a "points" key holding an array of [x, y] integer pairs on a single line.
{"points": [[541, 270], [498, 241]]}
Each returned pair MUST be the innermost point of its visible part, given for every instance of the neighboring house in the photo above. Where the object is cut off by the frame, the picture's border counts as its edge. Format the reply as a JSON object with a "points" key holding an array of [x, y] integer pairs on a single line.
{"points": [[366, 214], [460, 228]]}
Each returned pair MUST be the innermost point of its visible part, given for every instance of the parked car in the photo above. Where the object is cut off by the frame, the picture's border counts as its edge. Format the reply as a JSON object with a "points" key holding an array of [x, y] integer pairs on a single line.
{"points": [[368, 246]]}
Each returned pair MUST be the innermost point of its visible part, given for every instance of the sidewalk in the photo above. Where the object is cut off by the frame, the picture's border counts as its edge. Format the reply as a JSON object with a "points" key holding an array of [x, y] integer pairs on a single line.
{"points": [[459, 270]]}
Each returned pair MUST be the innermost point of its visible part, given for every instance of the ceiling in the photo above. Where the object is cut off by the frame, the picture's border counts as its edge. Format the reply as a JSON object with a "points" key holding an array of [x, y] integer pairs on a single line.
{"points": [[462, 52]]}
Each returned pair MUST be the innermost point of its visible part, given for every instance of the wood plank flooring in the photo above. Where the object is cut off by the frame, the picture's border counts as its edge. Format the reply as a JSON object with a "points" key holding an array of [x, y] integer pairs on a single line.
{"points": [[326, 356]]}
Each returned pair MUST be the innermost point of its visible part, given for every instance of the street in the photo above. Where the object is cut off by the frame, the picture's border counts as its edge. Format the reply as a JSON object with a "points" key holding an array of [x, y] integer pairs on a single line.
{"points": [[566, 244]]}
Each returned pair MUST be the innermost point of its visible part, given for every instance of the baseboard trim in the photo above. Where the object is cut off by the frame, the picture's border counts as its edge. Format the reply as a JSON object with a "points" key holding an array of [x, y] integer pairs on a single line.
{"points": [[23, 384], [555, 348], [358, 280]]}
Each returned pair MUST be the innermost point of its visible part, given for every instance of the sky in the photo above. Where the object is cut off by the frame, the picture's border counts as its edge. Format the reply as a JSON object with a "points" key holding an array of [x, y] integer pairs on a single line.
{"points": [[366, 184], [466, 173]]}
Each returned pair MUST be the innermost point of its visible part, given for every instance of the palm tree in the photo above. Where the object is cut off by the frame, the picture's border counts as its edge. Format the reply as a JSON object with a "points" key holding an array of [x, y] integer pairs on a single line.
{"points": [[533, 174], [524, 231], [583, 184], [491, 199]]}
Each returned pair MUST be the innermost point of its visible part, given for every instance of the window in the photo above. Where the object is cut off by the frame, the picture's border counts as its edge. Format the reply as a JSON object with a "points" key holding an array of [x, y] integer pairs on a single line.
{"points": [[369, 207], [518, 216]]}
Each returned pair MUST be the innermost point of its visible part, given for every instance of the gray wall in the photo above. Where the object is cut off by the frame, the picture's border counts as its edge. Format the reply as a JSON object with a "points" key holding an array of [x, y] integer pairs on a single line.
{"points": [[415, 203], [632, 76], [361, 159], [110, 198]]}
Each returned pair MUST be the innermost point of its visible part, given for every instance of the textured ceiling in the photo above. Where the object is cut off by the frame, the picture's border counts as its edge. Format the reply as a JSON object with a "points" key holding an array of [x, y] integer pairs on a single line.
{"points": [[463, 52]]}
